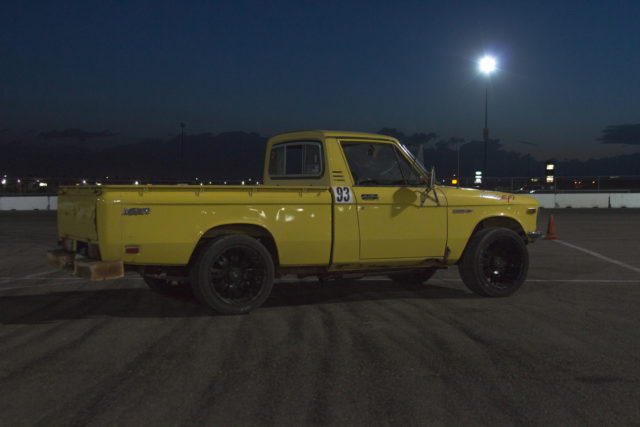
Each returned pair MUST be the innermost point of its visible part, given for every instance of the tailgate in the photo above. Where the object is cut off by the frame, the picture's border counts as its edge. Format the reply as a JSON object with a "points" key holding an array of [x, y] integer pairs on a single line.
{"points": [[77, 213]]}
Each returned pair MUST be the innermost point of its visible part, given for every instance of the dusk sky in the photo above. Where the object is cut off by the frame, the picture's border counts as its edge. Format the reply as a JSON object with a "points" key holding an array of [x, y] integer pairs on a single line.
{"points": [[567, 70]]}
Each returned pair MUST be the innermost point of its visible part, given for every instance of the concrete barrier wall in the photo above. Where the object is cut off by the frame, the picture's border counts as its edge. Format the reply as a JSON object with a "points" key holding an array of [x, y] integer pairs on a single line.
{"points": [[588, 200], [28, 203], [547, 201], [625, 200]]}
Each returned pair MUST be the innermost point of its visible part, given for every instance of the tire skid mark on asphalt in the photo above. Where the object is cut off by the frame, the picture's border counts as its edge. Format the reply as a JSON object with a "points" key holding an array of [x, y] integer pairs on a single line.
{"points": [[564, 334], [88, 304], [33, 335], [322, 371], [319, 408], [283, 353], [216, 388], [284, 361], [495, 356], [60, 297], [19, 373], [129, 393], [373, 345], [99, 398], [69, 313]]}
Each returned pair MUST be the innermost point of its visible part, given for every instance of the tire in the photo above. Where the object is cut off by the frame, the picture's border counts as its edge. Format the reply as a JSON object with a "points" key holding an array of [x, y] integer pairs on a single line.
{"points": [[233, 274], [414, 277], [495, 262], [163, 286]]}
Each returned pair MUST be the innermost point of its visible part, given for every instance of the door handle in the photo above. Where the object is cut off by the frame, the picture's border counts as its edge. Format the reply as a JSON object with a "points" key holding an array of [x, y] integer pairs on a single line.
{"points": [[369, 197]]}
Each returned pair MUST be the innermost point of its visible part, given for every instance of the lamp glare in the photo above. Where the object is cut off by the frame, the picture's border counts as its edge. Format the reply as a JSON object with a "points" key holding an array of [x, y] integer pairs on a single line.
{"points": [[487, 64]]}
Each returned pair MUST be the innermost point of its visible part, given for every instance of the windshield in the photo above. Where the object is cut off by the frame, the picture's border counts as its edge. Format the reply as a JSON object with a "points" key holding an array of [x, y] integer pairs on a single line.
{"points": [[415, 161]]}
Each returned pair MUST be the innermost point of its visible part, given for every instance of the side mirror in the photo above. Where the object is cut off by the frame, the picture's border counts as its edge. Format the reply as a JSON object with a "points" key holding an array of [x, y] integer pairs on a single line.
{"points": [[431, 187]]}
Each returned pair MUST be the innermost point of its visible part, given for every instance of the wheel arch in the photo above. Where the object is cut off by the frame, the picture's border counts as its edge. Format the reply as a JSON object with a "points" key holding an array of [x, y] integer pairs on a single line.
{"points": [[500, 221], [256, 231], [495, 222]]}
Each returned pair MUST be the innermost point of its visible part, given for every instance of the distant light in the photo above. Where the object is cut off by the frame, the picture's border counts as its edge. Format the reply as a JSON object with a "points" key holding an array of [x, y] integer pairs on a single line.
{"points": [[97, 183], [549, 178], [43, 184], [487, 64], [454, 181], [550, 166], [225, 183], [18, 181], [478, 173], [477, 180], [136, 183], [209, 182], [84, 181], [4, 181], [242, 182]]}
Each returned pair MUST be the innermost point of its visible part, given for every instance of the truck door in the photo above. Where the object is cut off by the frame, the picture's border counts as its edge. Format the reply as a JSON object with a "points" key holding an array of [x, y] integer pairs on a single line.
{"points": [[393, 221]]}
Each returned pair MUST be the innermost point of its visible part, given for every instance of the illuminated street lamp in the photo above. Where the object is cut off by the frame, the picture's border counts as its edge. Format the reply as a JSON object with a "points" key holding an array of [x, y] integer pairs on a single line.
{"points": [[486, 65]]}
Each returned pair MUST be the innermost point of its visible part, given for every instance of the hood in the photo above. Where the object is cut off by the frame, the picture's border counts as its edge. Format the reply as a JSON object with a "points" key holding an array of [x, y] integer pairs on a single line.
{"points": [[473, 197]]}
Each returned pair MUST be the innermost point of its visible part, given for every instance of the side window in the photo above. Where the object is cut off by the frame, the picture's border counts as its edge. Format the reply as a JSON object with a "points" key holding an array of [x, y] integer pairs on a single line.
{"points": [[378, 164], [296, 160]]}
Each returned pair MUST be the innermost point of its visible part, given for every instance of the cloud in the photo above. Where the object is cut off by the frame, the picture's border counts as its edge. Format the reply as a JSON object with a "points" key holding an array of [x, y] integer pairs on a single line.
{"points": [[76, 134], [621, 134]]}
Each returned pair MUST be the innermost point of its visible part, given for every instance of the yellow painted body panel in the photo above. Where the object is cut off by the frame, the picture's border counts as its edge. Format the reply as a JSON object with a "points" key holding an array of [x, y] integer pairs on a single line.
{"points": [[299, 219], [468, 207], [309, 228], [77, 214]]}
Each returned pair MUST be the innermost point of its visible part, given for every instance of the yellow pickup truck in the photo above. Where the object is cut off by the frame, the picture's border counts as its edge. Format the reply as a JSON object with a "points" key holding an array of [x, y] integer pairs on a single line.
{"points": [[332, 204]]}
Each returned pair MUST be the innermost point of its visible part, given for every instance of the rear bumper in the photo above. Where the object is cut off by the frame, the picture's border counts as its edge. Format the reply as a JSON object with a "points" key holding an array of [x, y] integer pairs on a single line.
{"points": [[86, 268]]}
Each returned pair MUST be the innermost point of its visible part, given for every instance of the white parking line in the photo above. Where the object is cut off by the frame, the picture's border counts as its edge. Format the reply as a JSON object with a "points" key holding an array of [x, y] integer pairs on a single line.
{"points": [[602, 257]]}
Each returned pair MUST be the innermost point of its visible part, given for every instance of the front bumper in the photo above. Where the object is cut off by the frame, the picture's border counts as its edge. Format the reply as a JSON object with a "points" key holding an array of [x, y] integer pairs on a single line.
{"points": [[534, 235], [84, 267]]}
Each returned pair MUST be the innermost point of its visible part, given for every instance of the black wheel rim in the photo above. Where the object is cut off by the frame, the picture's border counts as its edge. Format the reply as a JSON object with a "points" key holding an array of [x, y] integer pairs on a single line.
{"points": [[237, 275], [501, 263]]}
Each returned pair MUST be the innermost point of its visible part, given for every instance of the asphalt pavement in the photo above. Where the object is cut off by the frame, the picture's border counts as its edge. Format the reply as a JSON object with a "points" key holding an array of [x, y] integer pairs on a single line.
{"points": [[564, 350]]}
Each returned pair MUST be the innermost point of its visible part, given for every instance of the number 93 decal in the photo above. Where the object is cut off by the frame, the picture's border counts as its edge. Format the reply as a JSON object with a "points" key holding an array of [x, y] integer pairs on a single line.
{"points": [[343, 194]]}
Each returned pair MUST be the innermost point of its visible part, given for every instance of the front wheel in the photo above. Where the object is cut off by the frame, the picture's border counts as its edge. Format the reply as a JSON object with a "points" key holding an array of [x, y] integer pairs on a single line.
{"points": [[233, 274], [495, 262]]}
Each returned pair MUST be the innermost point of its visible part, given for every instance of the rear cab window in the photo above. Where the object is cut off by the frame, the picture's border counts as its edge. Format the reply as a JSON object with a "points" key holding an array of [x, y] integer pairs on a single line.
{"points": [[294, 160]]}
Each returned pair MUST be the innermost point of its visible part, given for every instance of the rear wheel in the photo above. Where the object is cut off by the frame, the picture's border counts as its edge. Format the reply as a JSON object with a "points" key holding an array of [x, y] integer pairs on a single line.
{"points": [[414, 277], [233, 274], [495, 262]]}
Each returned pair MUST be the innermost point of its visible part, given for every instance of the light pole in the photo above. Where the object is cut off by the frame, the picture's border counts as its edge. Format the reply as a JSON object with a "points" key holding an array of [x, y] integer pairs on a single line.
{"points": [[182, 151], [487, 65], [459, 145]]}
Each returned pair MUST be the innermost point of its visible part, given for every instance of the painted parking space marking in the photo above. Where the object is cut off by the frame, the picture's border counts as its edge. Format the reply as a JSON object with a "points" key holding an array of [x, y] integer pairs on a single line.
{"points": [[597, 255]]}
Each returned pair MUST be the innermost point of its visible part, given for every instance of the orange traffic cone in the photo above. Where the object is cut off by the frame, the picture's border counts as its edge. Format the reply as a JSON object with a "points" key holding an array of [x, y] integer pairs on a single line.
{"points": [[551, 230]]}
